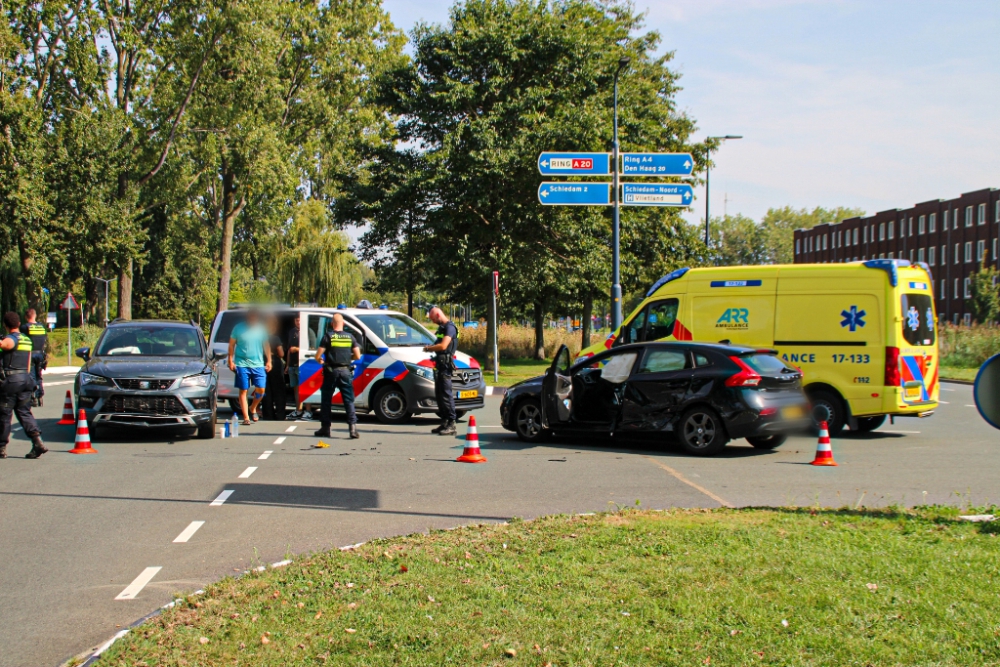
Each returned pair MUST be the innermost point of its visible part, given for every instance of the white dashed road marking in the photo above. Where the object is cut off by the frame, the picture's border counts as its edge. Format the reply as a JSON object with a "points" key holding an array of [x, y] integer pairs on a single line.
{"points": [[970, 406], [290, 428], [188, 532], [223, 497], [265, 454], [279, 440], [249, 471], [887, 431], [944, 402], [138, 583]]}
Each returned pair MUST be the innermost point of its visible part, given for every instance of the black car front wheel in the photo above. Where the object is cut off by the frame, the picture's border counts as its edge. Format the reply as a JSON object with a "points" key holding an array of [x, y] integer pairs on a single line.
{"points": [[702, 432], [207, 430], [767, 441], [528, 421]]}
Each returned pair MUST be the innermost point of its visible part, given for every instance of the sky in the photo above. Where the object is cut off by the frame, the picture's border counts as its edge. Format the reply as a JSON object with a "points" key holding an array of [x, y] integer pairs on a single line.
{"points": [[874, 104]]}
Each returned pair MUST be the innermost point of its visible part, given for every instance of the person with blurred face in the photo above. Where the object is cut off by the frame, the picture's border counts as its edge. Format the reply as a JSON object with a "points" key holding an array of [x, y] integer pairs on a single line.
{"points": [[274, 398], [250, 360], [444, 367]]}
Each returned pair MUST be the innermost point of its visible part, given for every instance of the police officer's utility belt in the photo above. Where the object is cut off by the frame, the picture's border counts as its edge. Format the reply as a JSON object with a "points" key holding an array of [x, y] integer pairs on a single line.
{"points": [[8, 372], [337, 368]]}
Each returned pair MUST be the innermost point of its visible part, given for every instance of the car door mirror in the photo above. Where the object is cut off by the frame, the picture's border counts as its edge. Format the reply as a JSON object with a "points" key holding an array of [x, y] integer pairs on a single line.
{"points": [[83, 353], [219, 356]]}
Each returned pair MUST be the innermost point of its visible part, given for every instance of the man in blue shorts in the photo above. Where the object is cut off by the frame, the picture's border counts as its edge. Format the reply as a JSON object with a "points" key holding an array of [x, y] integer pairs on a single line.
{"points": [[250, 359]]}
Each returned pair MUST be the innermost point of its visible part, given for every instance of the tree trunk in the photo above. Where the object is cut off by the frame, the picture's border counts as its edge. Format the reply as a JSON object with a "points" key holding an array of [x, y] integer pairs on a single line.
{"points": [[588, 312], [125, 291], [93, 300], [539, 331], [32, 293], [230, 210]]}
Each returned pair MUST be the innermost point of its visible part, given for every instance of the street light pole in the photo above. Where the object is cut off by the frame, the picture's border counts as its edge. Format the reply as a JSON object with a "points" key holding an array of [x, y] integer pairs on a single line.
{"points": [[616, 276], [106, 283], [708, 171]]}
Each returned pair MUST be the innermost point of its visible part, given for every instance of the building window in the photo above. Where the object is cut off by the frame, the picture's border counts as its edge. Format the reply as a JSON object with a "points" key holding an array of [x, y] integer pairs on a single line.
{"points": [[892, 229], [910, 232], [881, 231], [920, 255], [981, 214], [930, 255], [995, 255], [797, 246], [958, 250], [997, 214], [968, 216], [922, 224], [980, 250], [856, 232], [891, 256], [826, 237], [956, 288], [944, 221], [968, 287], [944, 289], [881, 255], [944, 255], [967, 319], [911, 255], [968, 251], [864, 235], [932, 223]]}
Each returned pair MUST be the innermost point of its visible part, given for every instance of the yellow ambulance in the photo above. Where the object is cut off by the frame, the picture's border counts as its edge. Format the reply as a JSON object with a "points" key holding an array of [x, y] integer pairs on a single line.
{"points": [[863, 333]]}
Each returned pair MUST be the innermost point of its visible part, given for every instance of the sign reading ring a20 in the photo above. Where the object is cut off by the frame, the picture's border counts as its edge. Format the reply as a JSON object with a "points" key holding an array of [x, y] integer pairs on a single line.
{"points": [[986, 391]]}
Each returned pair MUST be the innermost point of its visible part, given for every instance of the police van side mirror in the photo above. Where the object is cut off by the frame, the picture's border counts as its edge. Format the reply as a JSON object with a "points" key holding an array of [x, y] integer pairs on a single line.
{"points": [[83, 353]]}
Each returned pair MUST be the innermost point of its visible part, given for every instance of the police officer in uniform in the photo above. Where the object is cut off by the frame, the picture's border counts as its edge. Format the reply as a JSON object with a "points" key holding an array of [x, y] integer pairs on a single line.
{"points": [[15, 391], [36, 332], [341, 348], [444, 366]]}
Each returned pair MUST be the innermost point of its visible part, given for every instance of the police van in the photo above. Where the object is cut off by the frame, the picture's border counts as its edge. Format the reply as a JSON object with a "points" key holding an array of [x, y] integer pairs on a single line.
{"points": [[863, 333], [394, 377]]}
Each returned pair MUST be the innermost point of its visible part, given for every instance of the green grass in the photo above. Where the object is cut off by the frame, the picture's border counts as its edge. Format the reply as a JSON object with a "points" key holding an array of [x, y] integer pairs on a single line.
{"points": [[953, 373], [515, 370], [725, 587]]}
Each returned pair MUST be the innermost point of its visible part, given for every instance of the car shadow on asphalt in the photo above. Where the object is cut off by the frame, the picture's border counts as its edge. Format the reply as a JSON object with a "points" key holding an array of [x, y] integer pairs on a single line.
{"points": [[614, 444]]}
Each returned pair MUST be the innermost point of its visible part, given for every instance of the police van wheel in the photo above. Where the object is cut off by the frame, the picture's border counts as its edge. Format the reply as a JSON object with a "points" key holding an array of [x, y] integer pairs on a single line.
{"points": [[866, 424], [391, 406], [827, 407]]}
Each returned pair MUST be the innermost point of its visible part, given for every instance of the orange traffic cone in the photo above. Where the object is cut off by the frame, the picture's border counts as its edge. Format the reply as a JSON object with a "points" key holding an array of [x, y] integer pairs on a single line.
{"points": [[67, 417], [471, 452], [824, 454], [82, 444]]}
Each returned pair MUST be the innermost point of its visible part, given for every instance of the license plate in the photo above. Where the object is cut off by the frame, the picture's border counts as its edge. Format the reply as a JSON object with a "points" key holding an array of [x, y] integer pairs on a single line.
{"points": [[792, 413], [912, 392], [472, 393]]}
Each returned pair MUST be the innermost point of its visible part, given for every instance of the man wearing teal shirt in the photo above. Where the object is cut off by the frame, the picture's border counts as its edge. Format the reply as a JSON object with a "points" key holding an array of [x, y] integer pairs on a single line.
{"points": [[250, 359]]}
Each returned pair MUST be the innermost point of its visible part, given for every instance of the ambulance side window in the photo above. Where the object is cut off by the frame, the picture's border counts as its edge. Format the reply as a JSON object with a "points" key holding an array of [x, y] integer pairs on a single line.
{"points": [[632, 331], [660, 319]]}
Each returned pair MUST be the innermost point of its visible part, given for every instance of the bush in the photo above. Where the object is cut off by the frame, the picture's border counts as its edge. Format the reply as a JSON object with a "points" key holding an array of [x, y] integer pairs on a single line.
{"points": [[516, 342], [967, 347]]}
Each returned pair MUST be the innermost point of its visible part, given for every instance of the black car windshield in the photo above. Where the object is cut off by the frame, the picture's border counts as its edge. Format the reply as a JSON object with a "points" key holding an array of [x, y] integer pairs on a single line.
{"points": [[150, 340], [396, 329]]}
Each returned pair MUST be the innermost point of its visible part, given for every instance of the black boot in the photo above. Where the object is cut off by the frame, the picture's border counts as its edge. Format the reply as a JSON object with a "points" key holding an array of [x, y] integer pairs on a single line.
{"points": [[322, 433], [353, 430], [448, 428], [37, 447], [440, 427]]}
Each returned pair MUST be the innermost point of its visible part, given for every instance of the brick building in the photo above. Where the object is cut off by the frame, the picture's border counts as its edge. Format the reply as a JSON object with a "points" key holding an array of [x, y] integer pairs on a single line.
{"points": [[952, 236]]}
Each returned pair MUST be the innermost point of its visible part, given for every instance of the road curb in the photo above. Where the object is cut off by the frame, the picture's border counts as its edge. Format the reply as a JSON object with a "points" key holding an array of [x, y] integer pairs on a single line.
{"points": [[966, 382], [496, 391]]}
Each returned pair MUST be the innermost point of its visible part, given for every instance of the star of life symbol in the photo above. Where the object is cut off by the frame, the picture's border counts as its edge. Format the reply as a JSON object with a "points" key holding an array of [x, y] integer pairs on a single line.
{"points": [[853, 318], [913, 318], [930, 320]]}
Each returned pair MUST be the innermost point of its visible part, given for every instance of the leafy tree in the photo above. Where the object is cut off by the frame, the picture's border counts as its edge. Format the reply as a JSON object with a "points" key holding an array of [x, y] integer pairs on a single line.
{"points": [[985, 302], [738, 240], [779, 225]]}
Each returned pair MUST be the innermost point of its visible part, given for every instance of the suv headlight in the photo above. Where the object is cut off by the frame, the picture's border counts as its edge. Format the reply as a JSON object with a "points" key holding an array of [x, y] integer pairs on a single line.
{"points": [[202, 380], [87, 378], [420, 371]]}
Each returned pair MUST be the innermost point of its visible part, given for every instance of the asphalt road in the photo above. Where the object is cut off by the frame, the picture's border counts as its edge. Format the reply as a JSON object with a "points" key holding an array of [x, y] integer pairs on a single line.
{"points": [[77, 531]]}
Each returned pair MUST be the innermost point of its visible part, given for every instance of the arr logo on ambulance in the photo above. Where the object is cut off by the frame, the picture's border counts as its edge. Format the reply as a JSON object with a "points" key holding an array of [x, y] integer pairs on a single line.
{"points": [[734, 318]]}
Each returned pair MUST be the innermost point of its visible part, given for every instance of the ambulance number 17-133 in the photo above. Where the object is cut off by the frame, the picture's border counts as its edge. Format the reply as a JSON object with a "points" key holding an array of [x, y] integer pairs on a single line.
{"points": [[851, 359]]}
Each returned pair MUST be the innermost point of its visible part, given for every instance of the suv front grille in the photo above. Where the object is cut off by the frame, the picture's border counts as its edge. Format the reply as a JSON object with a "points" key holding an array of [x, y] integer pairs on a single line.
{"points": [[136, 384], [146, 405]]}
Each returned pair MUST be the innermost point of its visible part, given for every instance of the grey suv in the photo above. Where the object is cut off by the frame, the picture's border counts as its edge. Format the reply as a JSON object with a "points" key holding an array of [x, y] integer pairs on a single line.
{"points": [[149, 374]]}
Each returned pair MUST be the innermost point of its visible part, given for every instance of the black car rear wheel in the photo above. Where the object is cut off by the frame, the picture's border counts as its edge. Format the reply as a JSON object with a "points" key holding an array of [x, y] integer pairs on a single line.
{"points": [[866, 424], [528, 421], [702, 432], [767, 441]]}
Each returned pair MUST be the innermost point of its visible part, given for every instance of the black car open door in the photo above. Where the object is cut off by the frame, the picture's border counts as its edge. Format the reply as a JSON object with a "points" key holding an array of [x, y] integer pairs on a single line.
{"points": [[557, 391]]}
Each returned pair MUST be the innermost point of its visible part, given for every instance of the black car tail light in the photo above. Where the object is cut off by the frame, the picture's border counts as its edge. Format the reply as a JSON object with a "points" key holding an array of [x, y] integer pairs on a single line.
{"points": [[746, 377]]}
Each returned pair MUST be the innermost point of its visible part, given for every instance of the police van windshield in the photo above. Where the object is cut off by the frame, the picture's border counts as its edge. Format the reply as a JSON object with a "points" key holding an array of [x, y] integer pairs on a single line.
{"points": [[397, 330], [150, 341], [918, 319]]}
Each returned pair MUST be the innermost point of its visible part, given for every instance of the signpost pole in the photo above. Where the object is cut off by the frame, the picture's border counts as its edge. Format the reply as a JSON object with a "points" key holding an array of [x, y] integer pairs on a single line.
{"points": [[69, 336], [496, 328], [616, 280]]}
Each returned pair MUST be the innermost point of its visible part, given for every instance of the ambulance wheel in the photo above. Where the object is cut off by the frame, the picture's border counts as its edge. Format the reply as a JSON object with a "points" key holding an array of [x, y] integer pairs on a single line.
{"points": [[772, 441], [391, 406], [866, 424], [827, 407]]}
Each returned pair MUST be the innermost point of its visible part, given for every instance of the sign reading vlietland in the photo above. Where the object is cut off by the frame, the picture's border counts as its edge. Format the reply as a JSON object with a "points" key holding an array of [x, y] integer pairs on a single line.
{"points": [[657, 164], [574, 194], [656, 194], [574, 164]]}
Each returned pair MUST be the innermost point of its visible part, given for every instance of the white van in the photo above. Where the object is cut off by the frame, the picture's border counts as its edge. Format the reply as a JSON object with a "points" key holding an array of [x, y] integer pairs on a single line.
{"points": [[394, 378]]}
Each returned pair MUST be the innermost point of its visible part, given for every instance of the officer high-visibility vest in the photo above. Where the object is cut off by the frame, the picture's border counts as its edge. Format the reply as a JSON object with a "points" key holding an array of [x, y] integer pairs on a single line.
{"points": [[38, 335], [18, 358], [339, 352]]}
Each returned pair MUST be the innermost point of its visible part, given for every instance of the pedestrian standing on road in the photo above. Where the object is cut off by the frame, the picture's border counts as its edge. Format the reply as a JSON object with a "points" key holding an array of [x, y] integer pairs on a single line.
{"points": [[341, 349], [250, 359], [36, 332], [293, 365], [444, 366], [17, 387], [274, 398]]}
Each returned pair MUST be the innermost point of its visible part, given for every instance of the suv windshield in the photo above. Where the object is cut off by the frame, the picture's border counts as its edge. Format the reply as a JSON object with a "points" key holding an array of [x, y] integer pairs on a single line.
{"points": [[918, 319], [397, 330], [150, 340]]}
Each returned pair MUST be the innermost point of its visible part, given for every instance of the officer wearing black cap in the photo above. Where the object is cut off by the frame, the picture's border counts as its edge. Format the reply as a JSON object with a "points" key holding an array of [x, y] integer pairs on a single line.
{"points": [[36, 332], [17, 386], [444, 366], [337, 351]]}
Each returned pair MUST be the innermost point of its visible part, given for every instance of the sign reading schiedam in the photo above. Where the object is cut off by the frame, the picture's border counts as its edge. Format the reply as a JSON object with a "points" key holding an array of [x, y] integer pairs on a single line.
{"points": [[574, 194], [574, 164], [656, 194]]}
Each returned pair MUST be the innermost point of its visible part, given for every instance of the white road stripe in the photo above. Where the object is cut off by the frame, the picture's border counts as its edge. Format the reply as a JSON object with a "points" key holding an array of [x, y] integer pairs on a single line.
{"points": [[290, 428], [279, 440], [944, 402], [970, 406], [189, 532], [138, 583], [265, 455], [249, 471], [16, 428], [223, 497], [893, 431]]}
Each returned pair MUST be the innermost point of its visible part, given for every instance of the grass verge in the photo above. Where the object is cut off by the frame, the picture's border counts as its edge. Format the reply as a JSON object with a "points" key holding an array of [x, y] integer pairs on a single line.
{"points": [[725, 587], [516, 370], [953, 373]]}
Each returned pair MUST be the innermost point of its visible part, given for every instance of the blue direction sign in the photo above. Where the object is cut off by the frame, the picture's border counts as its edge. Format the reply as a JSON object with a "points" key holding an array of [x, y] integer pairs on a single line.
{"points": [[575, 194], [574, 164], [656, 194], [657, 164]]}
